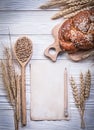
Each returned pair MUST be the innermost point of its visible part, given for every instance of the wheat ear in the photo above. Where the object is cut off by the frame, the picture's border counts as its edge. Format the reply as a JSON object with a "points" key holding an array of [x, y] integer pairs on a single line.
{"points": [[87, 84], [67, 6], [67, 11], [75, 12], [76, 3], [12, 84], [10, 69], [75, 92], [6, 81], [82, 99], [82, 90], [53, 4]]}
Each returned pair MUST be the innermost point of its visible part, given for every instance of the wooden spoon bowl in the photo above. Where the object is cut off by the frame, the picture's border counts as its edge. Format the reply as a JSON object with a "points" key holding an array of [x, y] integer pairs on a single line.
{"points": [[23, 52]]}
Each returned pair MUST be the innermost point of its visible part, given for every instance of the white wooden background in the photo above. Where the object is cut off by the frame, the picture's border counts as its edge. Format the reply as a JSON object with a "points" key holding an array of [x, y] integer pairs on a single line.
{"points": [[25, 18]]}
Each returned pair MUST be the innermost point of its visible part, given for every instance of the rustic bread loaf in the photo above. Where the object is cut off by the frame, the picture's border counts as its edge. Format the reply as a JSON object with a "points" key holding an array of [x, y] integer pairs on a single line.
{"points": [[77, 33]]}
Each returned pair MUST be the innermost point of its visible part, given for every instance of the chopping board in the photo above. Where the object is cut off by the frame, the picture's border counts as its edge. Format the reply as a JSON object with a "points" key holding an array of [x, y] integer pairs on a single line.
{"points": [[77, 56], [47, 90]]}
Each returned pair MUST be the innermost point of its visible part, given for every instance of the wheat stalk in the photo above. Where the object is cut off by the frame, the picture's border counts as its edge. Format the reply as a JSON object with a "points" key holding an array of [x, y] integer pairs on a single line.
{"points": [[18, 78], [82, 117], [17, 102], [11, 82]]}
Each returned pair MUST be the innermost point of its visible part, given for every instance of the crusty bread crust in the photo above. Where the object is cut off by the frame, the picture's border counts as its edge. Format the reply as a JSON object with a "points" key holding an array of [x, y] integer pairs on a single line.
{"points": [[77, 33]]}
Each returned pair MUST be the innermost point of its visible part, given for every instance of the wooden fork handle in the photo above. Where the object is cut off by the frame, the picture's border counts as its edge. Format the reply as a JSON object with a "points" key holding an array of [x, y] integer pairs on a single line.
{"points": [[23, 95]]}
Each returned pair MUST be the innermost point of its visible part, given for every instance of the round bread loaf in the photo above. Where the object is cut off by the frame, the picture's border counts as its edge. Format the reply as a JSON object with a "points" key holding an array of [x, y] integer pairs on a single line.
{"points": [[77, 33]]}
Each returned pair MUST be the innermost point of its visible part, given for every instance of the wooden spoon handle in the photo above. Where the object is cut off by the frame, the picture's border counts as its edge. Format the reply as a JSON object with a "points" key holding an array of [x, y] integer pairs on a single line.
{"points": [[23, 95]]}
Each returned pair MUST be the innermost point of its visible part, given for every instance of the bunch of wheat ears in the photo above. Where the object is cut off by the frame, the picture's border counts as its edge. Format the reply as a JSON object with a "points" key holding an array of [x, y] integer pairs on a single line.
{"points": [[68, 8], [12, 83], [81, 95]]}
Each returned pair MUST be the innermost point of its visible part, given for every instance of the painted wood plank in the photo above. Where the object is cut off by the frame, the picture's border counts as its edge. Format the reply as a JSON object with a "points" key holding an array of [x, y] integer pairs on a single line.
{"points": [[24, 22], [21, 4], [27, 28], [7, 115], [43, 17], [5, 104]]}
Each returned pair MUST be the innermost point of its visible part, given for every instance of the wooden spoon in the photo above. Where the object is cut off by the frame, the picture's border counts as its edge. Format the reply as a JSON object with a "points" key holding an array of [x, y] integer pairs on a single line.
{"points": [[23, 51]]}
